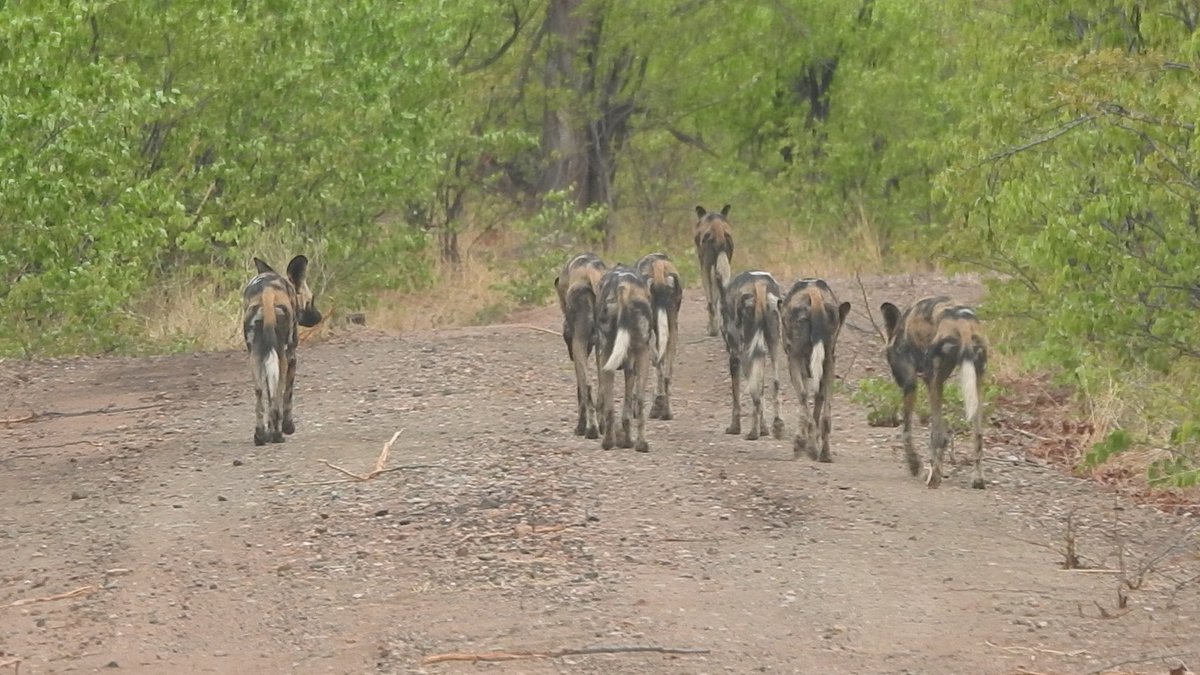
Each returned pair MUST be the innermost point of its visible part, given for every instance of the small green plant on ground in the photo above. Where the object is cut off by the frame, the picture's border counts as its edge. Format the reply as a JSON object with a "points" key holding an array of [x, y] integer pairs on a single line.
{"points": [[1180, 468]]}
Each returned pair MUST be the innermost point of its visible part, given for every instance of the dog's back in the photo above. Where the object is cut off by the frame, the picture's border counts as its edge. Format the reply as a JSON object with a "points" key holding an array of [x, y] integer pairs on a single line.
{"points": [[752, 312], [623, 315]]}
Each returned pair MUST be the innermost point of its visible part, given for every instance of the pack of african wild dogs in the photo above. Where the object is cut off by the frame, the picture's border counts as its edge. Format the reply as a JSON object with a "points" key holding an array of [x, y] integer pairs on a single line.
{"points": [[626, 317]]}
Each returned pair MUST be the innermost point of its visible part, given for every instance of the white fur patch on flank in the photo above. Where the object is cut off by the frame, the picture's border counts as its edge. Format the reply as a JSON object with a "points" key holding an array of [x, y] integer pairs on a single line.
{"points": [[271, 370], [620, 349], [664, 333], [816, 364], [970, 387]]}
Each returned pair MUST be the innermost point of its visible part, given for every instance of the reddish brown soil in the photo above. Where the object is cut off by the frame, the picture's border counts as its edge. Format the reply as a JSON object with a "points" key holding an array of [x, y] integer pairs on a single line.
{"points": [[200, 553]]}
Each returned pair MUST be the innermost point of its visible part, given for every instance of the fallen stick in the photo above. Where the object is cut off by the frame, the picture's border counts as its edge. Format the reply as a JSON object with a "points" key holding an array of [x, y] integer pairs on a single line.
{"points": [[383, 456], [18, 420], [379, 462], [536, 328], [15, 663], [1028, 434], [554, 654], [106, 410], [82, 590], [339, 469], [1021, 648]]}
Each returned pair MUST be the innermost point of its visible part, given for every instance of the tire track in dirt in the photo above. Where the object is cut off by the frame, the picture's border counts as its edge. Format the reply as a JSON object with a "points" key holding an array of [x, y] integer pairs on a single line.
{"points": [[513, 533]]}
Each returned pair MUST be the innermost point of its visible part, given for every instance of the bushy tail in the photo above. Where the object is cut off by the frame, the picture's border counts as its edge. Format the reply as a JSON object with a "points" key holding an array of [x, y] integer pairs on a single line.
{"points": [[970, 386], [664, 334], [816, 364], [266, 352], [271, 368], [756, 353], [620, 350], [722, 270]]}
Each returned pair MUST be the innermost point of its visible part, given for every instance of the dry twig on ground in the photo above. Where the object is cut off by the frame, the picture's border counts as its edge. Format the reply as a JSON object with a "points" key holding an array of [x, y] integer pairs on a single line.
{"points": [[379, 462], [82, 590], [554, 654]]}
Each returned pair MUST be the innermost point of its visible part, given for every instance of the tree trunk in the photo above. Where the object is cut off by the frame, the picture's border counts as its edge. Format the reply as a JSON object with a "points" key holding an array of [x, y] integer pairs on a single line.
{"points": [[562, 144]]}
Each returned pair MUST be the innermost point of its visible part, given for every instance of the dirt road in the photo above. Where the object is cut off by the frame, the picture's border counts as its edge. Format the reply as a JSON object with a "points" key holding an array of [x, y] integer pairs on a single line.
{"points": [[197, 552]]}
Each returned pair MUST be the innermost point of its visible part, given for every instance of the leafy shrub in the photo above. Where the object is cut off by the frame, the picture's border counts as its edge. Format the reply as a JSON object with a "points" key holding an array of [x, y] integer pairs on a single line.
{"points": [[551, 236]]}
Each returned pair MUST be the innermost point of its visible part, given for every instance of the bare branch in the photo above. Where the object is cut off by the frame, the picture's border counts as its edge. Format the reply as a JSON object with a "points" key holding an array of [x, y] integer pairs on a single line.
{"points": [[1046, 138], [694, 141]]}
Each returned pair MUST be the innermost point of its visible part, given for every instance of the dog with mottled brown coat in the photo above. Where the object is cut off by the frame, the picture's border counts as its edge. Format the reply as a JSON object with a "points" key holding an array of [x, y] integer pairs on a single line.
{"points": [[623, 331], [812, 321], [274, 306], [577, 286], [928, 341], [752, 333], [714, 248], [666, 297]]}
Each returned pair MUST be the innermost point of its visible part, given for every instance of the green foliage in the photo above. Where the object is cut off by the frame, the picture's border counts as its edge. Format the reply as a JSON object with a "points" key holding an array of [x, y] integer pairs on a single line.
{"points": [[1182, 468], [143, 139], [550, 237], [1115, 443]]}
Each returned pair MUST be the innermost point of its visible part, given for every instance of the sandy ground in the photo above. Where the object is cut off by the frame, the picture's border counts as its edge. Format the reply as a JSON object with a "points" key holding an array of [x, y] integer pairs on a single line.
{"points": [[193, 551]]}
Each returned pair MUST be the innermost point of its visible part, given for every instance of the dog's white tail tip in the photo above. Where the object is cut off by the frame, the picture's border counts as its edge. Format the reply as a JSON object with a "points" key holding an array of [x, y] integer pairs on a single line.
{"points": [[816, 365], [620, 350], [664, 334], [970, 387], [271, 370]]}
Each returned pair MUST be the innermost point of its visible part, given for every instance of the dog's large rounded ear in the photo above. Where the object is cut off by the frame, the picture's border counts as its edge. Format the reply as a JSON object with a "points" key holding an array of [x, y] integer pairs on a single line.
{"points": [[261, 266], [297, 268], [891, 317], [725, 210], [700, 211], [843, 312]]}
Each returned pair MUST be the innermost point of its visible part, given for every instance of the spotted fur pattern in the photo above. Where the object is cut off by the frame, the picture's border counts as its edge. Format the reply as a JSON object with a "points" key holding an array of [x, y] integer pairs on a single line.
{"points": [[713, 236], [623, 328], [812, 321], [577, 286], [752, 333], [273, 308], [666, 297], [928, 341]]}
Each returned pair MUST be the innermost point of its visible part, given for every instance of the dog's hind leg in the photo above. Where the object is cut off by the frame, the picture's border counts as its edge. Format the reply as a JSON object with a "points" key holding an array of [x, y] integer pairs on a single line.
{"points": [[261, 436], [735, 379], [629, 405], [756, 384], [803, 441], [910, 454], [607, 428], [642, 373], [822, 409], [777, 422], [668, 367], [289, 387], [937, 431], [279, 403]]}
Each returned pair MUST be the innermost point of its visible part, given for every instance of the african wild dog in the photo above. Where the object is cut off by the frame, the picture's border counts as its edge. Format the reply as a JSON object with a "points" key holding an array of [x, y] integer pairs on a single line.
{"points": [[273, 307], [623, 331], [752, 332], [577, 287], [812, 319], [928, 340], [714, 247], [666, 296]]}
